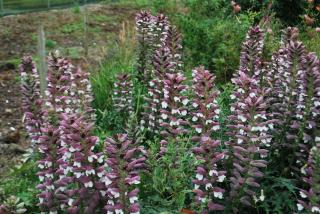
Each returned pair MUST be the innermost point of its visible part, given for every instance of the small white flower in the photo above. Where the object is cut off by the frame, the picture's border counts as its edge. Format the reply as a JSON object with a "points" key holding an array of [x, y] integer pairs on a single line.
{"points": [[209, 122], [70, 202], [91, 158], [194, 119], [135, 182], [41, 178], [218, 195], [203, 200], [232, 96], [71, 149], [213, 172], [240, 141], [195, 105], [221, 178], [303, 171], [217, 111], [184, 112], [185, 101], [215, 128], [100, 174], [242, 118], [115, 194], [50, 187], [90, 172], [78, 174], [164, 104], [106, 181], [196, 186], [88, 184], [303, 195], [271, 125], [49, 176], [199, 130], [164, 116], [262, 197], [317, 139], [78, 164], [208, 186], [200, 115], [151, 84], [133, 199], [300, 207], [41, 200], [315, 209], [175, 111], [119, 211], [176, 99], [199, 176], [100, 159]]}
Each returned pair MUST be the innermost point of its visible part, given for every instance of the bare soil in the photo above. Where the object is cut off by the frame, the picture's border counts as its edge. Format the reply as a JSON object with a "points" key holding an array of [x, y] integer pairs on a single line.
{"points": [[64, 31]]}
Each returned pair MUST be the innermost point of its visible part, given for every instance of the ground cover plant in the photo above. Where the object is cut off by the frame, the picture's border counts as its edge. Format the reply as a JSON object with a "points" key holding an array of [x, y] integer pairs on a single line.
{"points": [[177, 142]]}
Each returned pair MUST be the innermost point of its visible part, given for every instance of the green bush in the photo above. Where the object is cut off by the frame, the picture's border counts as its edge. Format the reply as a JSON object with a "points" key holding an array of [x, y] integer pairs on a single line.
{"points": [[211, 37]]}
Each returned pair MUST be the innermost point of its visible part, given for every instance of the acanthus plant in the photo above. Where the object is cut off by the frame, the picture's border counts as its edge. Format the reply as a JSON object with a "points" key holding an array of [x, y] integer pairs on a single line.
{"points": [[174, 107], [59, 73], [310, 195], [80, 167], [144, 26], [82, 89], [278, 78], [31, 99], [249, 141], [305, 125], [174, 43], [251, 53], [125, 160], [151, 115], [123, 94], [289, 102], [151, 35], [160, 31], [205, 115]]}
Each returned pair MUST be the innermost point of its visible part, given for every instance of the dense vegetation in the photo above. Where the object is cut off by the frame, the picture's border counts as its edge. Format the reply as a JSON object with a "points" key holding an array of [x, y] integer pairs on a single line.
{"points": [[166, 135]]}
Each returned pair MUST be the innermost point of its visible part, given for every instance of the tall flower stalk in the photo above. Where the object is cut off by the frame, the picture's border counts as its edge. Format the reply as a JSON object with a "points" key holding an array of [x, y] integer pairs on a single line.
{"points": [[31, 100], [60, 71], [205, 114], [123, 98], [174, 106], [251, 53], [151, 115], [79, 164], [305, 126], [174, 43], [144, 27], [310, 196], [249, 141], [152, 34], [125, 160]]}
